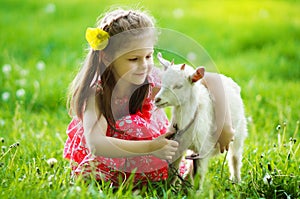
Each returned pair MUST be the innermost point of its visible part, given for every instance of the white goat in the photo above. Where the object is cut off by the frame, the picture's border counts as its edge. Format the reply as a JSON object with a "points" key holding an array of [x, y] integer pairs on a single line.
{"points": [[193, 114]]}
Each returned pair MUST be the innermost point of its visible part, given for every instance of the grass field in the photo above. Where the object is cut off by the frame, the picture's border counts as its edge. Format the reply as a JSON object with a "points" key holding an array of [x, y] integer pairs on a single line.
{"points": [[42, 44]]}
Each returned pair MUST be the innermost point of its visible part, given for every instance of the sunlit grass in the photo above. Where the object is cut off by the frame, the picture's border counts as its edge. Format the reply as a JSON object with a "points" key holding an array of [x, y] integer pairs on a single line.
{"points": [[42, 45]]}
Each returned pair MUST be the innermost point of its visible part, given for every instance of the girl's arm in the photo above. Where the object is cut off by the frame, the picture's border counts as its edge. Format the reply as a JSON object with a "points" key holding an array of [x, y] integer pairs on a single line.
{"points": [[102, 145], [222, 112]]}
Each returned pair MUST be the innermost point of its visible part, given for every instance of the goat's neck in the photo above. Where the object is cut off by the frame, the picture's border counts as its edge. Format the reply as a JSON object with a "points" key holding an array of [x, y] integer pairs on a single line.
{"points": [[183, 114]]}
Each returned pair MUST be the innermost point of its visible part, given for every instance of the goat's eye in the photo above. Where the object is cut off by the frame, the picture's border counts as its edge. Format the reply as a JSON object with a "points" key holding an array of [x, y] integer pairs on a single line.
{"points": [[177, 86]]}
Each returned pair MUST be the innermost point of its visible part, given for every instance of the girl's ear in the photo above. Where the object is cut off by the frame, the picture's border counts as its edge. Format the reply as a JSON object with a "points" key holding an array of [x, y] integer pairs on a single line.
{"points": [[197, 75], [104, 58]]}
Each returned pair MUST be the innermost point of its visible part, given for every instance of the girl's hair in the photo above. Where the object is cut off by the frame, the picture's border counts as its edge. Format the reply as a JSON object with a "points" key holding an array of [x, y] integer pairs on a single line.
{"points": [[114, 22]]}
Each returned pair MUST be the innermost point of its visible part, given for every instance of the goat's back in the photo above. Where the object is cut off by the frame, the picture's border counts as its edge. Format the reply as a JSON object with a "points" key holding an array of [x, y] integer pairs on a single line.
{"points": [[205, 135]]}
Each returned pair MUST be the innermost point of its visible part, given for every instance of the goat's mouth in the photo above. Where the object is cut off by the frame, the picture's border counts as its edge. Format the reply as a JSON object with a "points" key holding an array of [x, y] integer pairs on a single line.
{"points": [[161, 105]]}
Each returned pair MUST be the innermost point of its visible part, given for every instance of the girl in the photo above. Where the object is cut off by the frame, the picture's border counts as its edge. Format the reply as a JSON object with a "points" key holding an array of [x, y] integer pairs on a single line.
{"points": [[116, 130]]}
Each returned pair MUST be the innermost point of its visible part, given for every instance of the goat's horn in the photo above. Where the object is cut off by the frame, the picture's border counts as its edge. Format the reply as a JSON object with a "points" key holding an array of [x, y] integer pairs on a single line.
{"points": [[182, 67]]}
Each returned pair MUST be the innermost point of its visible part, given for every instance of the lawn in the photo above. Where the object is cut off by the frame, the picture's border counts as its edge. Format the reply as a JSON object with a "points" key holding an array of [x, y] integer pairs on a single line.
{"points": [[254, 42]]}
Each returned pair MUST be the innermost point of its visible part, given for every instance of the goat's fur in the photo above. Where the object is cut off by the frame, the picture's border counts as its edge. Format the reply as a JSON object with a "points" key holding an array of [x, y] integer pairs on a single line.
{"points": [[182, 89]]}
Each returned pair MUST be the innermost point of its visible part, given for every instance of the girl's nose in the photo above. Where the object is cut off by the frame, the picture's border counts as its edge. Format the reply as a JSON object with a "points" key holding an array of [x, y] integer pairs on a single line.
{"points": [[144, 63]]}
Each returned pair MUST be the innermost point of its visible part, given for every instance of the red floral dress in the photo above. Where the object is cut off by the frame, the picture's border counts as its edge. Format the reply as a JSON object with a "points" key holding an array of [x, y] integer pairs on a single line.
{"points": [[144, 125]]}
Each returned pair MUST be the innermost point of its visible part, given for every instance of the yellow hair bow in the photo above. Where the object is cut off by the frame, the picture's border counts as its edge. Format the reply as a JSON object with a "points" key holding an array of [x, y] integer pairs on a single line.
{"points": [[97, 38]]}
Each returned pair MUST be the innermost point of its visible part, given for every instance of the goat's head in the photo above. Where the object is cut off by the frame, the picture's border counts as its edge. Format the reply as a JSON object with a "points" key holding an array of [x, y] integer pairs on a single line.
{"points": [[177, 83]]}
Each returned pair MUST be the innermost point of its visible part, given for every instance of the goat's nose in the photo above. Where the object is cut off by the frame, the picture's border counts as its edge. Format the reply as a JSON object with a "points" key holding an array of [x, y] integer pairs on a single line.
{"points": [[157, 99]]}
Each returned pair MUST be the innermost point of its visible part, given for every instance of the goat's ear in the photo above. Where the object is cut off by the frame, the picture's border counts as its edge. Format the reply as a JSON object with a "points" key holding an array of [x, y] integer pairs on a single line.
{"points": [[197, 75], [172, 62], [182, 67], [163, 61]]}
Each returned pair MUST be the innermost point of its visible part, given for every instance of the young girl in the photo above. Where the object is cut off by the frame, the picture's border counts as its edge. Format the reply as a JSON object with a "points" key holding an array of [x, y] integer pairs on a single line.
{"points": [[116, 130]]}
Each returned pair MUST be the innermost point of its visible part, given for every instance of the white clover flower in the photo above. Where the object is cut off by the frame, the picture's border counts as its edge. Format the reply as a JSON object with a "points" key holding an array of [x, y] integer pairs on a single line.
{"points": [[51, 162], [77, 188], [5, 96], [191, 56], [278, 127], [21, 82], [249, 119], [40, 65], [178, 13], [2, 122], [6, 68], [267, 179], [51, 177], [36, 85], [20, 92], [24, 72], [50, 8]]}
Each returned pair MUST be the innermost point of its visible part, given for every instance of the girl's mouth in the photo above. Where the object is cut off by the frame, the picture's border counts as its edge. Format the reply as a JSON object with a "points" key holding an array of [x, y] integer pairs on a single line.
{"points": [[140, 74]]}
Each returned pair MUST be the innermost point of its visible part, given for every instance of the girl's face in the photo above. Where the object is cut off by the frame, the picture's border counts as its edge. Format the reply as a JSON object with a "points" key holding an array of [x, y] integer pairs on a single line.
{"points": [[134, 66]]}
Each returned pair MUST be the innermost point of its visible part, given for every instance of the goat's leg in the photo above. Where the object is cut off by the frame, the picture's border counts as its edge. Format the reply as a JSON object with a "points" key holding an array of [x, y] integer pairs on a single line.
{"points": [[235, 160], [173, 171], [200, 168]]}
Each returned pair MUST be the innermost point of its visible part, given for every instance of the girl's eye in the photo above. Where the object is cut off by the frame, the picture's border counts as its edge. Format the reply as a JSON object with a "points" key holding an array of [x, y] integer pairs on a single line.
{"points": [[133, 59], [149, 57], [177, 86]]}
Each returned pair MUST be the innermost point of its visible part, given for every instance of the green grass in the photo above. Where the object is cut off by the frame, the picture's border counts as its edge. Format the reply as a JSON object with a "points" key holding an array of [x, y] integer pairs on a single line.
{"points": [[256, 43]]}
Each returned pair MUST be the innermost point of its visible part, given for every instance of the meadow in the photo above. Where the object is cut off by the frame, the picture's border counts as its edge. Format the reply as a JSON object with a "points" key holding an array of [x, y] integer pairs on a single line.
{"points": [[254, 42]]}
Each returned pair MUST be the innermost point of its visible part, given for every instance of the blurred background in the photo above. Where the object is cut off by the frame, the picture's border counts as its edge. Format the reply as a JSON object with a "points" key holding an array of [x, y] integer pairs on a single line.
{"points": [[42, 42]]}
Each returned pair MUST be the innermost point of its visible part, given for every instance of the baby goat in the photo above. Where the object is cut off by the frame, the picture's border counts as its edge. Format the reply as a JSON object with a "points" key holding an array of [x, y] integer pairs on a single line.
{"points": [[193, 115]]}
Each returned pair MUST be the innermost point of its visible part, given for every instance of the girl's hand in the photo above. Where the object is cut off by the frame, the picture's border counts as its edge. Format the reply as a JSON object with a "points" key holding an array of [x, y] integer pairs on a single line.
{"points": [[164, 148], [225, 138]]}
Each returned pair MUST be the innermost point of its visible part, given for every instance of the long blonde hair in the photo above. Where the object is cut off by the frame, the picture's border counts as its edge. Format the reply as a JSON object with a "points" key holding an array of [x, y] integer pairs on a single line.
{"points": [[114, 22]]}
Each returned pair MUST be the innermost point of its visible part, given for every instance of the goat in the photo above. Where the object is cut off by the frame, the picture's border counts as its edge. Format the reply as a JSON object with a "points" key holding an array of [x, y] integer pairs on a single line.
{"points": [[193, 113]]}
